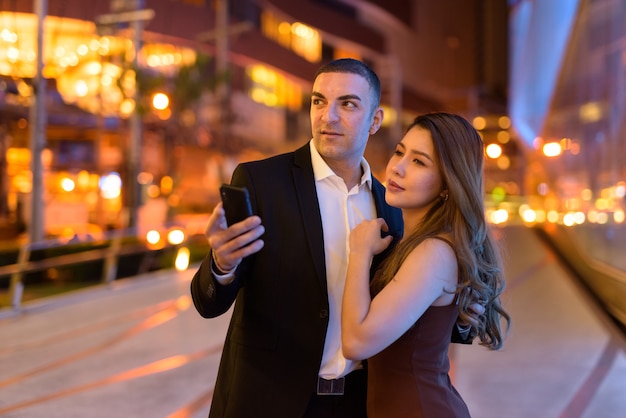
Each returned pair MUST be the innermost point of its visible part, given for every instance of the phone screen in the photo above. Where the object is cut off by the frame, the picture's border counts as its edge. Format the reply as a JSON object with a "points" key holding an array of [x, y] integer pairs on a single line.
{"points": [[236, 202]]}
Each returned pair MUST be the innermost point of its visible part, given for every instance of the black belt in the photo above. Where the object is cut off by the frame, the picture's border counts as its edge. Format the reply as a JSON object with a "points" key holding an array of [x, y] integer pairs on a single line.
{"points": [[335, 386]]}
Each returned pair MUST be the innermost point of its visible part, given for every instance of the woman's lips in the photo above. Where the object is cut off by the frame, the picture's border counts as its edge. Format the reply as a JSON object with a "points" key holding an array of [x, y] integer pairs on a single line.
{"points": [[393, 186]]}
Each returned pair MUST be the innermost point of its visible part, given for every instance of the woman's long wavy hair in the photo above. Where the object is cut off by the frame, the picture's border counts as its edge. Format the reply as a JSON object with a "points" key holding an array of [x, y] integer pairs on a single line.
{"points": [[459, 151]]}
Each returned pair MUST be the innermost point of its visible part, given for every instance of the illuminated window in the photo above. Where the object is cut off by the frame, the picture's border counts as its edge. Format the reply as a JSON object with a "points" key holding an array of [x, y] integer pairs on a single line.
{"points": [[303, 40], [272, 89], [86, 66]]}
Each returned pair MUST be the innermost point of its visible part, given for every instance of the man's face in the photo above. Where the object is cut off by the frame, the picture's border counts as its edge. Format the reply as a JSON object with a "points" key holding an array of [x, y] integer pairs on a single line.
{"points": [[343, 115]]}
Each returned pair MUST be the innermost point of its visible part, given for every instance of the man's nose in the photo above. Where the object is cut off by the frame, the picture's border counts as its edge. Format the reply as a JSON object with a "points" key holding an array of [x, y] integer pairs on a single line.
{"points": [[330, 113]]}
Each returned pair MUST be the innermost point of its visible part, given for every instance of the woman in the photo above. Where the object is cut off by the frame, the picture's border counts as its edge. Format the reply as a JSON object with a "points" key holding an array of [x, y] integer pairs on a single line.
{"points": [[446, 259]]}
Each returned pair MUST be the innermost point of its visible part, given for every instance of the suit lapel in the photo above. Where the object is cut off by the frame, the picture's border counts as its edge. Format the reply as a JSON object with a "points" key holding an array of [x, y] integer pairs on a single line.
{"points": [[304, 182]]}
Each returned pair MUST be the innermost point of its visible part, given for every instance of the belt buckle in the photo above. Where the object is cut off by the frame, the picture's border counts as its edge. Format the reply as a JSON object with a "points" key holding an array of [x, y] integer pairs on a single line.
{"points": [[331, 387]]}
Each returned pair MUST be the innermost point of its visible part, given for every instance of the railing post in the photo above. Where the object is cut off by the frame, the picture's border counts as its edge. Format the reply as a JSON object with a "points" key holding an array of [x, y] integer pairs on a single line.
{"points": [[109, 272], [16, 287]]}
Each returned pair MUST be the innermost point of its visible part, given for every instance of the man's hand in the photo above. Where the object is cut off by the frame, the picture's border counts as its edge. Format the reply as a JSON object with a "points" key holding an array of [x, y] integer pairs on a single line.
{"points": [[231, 244], [478, 309]]}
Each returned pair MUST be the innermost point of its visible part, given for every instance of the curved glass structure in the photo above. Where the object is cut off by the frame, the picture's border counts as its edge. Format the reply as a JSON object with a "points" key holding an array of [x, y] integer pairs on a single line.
{"points": [[568, 103]]}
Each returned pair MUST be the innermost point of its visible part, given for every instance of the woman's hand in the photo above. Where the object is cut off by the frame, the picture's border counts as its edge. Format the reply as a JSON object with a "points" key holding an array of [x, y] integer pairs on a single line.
{"points": [[366, 238]]}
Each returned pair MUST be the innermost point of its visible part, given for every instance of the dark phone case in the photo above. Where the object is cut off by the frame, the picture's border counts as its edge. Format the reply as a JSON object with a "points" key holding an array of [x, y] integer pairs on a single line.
{"points": [[236, 203]]}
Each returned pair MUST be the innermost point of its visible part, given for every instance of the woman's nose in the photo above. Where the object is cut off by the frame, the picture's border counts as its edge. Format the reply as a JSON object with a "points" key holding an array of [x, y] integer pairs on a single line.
{"points": [[397, 169]]}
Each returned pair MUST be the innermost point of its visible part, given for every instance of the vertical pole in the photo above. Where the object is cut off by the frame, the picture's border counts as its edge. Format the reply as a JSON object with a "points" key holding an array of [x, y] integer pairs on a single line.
{"points": [[222, 67], [134, 155], [396, 97], [37, 131]]}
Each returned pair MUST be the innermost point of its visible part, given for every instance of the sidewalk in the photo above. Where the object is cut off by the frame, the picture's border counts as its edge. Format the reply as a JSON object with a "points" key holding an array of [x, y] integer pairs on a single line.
{"points": [[139, 349], [135, 349]]}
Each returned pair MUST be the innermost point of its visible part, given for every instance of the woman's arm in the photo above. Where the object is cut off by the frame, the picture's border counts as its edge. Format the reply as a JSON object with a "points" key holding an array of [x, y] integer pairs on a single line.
{"points": [[427, 277]]}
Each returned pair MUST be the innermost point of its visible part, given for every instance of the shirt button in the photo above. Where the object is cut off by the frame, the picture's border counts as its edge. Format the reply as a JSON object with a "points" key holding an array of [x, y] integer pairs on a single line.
{"points": [[324, 313]]}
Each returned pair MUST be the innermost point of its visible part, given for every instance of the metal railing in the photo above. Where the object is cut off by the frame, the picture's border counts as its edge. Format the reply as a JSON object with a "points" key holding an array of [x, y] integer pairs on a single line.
{"points": [[109, 255]]}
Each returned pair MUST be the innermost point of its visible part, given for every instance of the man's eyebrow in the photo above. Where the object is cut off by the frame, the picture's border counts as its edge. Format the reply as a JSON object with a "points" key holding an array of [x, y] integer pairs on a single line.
{"points": [[350, 97], [344, 97]]}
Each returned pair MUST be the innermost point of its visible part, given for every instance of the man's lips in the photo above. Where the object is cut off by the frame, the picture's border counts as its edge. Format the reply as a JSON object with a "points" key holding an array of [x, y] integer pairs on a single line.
{"points": [[330, 133]]}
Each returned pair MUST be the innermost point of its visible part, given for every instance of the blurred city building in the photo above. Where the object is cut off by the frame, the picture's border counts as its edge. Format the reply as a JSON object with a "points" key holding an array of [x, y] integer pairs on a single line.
{"points": [[217, 82]]}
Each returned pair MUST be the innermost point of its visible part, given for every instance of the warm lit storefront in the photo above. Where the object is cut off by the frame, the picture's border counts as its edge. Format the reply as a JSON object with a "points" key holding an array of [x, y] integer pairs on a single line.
{"points": [[90, 89]]}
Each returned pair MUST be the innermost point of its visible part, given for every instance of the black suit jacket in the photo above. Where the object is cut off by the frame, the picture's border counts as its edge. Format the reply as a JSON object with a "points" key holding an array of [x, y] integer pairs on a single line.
{"points": [[274, 344]]}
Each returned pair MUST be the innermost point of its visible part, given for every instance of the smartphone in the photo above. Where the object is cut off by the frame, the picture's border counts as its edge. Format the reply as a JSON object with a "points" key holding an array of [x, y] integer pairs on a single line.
{"points": [[236, 201]]}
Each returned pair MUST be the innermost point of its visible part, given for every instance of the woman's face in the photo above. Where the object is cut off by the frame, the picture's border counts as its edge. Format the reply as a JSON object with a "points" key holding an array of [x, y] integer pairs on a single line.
{"points": [[414, 182]]}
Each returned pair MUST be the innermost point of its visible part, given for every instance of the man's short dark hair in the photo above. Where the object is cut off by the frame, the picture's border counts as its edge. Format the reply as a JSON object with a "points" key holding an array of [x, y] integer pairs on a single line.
{"points": [[350, 65]]}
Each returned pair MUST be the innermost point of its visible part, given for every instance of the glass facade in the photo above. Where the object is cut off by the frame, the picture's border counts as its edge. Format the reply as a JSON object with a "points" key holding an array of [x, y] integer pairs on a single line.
{"points": [[568, 103]]}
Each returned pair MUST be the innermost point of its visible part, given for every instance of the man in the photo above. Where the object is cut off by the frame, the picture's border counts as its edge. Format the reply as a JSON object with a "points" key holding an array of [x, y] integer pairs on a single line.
{"points": [[286, 267]]}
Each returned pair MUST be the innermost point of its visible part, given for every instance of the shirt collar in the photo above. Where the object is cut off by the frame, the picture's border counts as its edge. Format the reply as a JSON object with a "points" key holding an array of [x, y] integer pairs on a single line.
{"points": [[321, 170]]}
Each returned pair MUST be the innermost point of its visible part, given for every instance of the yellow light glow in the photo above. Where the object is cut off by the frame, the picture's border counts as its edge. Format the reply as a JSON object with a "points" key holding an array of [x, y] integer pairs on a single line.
{"points": [[541, 215], [83, 179], [144, 178], [602, 204], [127, 107], [479, 122], [270, 100], [153, 191], [160, 101], [257, 94], [81, 88], [284, 28], [176, 236], [111, 186], [306, 42], [590, 112], [504, 122], [552, 149], [23, 183], [73, 52], [618, 216], [67, 184], [167, 184], [503, 163], [553, 216], [579, 218], [503, 137], [182, 259], [499, 216], [493, 151], [529, 216], [153, 237], [92, 68], [164, 114]]}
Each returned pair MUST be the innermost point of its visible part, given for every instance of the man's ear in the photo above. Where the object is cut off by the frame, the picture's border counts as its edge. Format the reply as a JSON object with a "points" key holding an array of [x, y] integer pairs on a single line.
{"points": [[377, 120]]}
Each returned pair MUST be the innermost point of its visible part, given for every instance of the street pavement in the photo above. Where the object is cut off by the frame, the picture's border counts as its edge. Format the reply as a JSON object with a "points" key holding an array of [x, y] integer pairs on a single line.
{"points": [[138, 348]]}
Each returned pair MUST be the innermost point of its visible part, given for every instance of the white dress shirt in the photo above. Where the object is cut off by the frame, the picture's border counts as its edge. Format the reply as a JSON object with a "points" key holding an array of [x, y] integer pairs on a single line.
{"points": [[341, 211]]}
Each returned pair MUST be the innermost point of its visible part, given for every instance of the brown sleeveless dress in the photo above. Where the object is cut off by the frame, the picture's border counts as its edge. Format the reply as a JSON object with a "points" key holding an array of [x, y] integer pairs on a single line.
{"points": [[409, 379]]}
